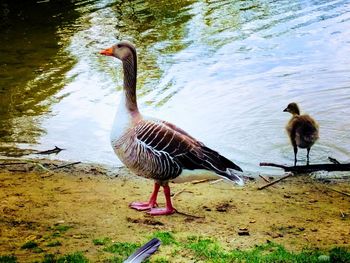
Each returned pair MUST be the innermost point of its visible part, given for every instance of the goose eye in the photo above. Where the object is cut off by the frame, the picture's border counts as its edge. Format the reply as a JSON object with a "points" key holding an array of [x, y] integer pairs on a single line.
{"points": [[119, 46]]}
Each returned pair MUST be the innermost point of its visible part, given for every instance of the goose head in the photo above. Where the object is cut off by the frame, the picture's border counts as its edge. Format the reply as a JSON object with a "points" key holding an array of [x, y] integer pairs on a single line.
{"points": [[123, 50], [292, 108]]}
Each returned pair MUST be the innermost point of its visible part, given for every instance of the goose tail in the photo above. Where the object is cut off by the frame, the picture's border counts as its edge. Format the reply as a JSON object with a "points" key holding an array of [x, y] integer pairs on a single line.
{"points": [[144, 252]]}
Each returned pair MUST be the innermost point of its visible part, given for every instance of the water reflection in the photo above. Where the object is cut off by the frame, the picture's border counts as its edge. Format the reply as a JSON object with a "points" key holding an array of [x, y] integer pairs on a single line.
{"points": [[32, 65], [222, 70]]}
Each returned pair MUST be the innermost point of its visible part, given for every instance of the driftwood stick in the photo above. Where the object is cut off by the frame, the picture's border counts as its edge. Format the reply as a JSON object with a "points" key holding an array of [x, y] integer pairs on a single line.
{"points": [[202, 181], [311, 168], [216, 181], [180, 192], [340, 192], [65, 165], [264, 178], [276, 181], [188, 215]]}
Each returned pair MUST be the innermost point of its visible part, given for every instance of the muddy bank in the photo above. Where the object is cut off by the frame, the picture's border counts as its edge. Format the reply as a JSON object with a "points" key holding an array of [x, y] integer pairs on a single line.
{"points": [[72, 206]]}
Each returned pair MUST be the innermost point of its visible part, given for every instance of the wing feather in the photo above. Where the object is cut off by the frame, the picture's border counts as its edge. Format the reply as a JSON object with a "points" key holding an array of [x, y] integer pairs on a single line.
{"points": [[173, 146]]}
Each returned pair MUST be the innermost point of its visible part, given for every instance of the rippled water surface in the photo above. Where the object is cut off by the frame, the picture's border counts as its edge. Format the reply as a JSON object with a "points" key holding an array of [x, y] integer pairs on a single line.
{"points": [[221, 70]]}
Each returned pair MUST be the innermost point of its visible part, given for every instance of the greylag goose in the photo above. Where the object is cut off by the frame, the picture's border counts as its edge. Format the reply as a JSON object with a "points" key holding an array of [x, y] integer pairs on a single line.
{"points": [[302, 130], [157, 149]]}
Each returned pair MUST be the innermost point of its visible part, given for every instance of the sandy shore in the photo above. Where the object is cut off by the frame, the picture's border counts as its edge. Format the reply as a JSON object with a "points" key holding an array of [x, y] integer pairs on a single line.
{"points": [[93, 203]]}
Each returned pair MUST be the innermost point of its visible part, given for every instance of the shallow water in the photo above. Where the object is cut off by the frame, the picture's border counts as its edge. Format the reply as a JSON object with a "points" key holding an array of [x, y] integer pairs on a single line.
{"points": [[221, 70]]}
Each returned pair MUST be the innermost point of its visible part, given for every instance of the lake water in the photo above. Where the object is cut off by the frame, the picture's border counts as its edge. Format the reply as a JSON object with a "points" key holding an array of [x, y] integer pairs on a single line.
{"points": [[221, 70]]}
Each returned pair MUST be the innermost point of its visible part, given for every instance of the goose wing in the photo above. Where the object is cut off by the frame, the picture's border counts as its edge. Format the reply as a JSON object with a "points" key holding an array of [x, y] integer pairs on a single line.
{"points": [[179, 148]]}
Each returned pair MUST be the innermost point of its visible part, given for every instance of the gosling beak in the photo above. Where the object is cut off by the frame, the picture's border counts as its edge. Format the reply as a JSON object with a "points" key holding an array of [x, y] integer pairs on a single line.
{"points": [[286, 110], [107, 52]]}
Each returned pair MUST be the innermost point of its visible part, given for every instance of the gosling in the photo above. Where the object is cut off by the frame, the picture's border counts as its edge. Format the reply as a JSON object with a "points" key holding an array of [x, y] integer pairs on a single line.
{"points": [[303, 130]]}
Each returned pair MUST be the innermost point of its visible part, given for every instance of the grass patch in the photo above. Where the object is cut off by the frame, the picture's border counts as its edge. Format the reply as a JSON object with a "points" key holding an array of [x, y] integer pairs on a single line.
{"points": [[101, 241], [274, 253], [8, 259], [202, 249], [76, 257], [62, 228], [339, 255], [206, 249], [54, 244], [167, 238], [122, 248], [161, 260], [209, 250], [29, 245]]}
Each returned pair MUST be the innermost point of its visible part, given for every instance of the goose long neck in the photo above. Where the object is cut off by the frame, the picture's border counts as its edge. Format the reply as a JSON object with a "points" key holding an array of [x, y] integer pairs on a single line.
{"points": [[130, 74]]}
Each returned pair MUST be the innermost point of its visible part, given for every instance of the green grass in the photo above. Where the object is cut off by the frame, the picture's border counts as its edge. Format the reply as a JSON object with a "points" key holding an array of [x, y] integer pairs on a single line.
{"points": [[62, 228], [76, 257], [196, 248], [101, 241], [339, 255], [54, 244], [29, 245], [121, 248], [8, 259], [209, 250], [167, 238]]}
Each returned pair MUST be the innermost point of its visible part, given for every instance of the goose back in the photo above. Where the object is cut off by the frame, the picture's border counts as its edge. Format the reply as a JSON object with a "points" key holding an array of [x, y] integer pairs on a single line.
{"points": [[303, 130]]}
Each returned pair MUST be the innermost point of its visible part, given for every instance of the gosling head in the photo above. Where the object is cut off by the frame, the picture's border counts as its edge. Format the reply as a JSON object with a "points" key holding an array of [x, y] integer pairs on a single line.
{"points": [[123, 50], [292, 108]]}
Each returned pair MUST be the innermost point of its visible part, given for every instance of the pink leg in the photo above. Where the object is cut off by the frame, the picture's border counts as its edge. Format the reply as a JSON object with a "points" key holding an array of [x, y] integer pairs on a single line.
{"points": [[169, 209], [140, 206]]}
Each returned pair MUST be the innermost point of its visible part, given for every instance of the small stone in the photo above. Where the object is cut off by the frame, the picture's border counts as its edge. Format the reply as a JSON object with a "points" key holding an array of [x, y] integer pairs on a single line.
{"points": [[244, 232], [206, 208], [301, 228], [314, 229], [252, 221], [286, 196], [275, 235]]}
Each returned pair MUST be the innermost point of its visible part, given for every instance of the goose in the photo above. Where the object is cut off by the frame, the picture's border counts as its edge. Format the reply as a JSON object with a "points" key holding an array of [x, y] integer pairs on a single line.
{"points": [[303, 130], [156, 149]]}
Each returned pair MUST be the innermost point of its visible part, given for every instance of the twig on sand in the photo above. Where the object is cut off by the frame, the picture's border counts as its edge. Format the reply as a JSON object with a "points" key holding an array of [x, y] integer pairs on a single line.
{"points": [[330, 167], [65, 165], [340, 192], [185, 214], [203, 181], [216, 181], [181, 191], [264, 178], [276, 181]]}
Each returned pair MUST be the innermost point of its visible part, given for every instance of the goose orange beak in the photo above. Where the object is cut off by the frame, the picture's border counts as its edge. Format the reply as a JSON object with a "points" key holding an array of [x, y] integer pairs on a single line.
{"points": [[107, 52]]}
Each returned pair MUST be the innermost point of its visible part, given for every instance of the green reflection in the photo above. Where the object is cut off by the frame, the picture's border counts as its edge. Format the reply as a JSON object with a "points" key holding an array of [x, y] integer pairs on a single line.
{"points": [[158, 28], [32, 64]]}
